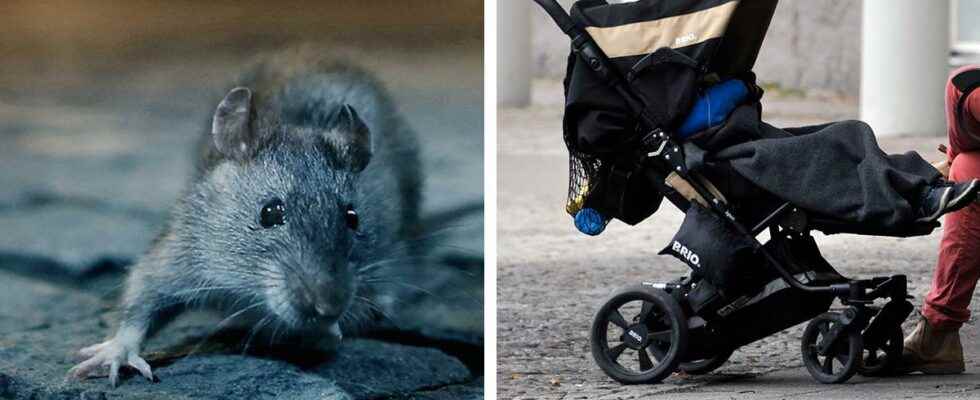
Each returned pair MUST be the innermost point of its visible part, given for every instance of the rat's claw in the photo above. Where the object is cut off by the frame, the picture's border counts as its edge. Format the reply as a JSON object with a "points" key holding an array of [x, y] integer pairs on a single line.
{"points": [[114, 373], [91, 350], [141, 365], [110, 354], [84, 368]]}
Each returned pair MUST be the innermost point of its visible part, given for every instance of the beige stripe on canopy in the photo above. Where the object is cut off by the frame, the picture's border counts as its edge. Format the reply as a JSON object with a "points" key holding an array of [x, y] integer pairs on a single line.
{"points": [[646, 37]]}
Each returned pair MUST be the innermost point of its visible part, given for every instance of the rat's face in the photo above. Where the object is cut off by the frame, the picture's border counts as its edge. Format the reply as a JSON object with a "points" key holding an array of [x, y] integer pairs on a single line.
{"points": [[283, 217], [301, 217]]}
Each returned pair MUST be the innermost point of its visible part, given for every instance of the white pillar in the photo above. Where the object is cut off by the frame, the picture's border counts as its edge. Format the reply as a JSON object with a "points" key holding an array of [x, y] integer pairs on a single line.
{"points": [[904, 63], [513, 52]]}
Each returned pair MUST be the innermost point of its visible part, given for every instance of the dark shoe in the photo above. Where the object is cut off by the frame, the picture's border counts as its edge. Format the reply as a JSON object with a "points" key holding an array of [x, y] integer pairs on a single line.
{"points": [[932, 351], [946, 198]]}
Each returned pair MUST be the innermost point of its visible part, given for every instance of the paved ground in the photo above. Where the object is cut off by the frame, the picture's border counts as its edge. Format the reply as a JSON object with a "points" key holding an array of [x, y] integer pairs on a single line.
{"points": [[551, 279], [96, 132]]}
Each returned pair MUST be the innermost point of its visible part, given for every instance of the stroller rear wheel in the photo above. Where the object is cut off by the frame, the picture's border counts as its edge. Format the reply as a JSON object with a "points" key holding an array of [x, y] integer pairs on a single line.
{"points": [[881, 359], [639, 335], [704, 366], [838, 362]]}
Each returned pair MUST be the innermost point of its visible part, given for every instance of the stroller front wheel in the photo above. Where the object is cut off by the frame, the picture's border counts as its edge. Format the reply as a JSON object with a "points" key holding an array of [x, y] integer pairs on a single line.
{"points": [[838, 361], [882, 358], [639, 335]]}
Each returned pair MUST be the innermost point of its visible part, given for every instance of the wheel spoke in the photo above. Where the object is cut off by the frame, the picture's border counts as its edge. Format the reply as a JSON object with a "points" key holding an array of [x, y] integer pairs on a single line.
{"points": [[828, 365], [645, 311], [660, 336], [824, 329], [645, 362], [658, 353], [616, 351], [843, 358], [617, 318]]}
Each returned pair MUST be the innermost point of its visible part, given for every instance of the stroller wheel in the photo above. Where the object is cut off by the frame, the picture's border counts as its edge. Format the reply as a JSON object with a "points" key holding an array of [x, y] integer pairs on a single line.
{"points": [[881, 359], [639, 335], [704, 366], [840, 361]]}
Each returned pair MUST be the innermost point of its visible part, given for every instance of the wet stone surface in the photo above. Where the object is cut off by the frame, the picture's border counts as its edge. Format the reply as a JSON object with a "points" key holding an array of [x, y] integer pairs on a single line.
{"points": [[192, 361]]}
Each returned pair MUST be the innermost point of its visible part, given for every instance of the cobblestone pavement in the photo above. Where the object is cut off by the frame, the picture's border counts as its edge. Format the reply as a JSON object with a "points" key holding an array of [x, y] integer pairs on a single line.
{"points": [[551, 279], [92, 158]]}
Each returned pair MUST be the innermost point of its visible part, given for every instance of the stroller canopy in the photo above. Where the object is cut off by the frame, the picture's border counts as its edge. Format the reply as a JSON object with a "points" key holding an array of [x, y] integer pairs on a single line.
{"points": [[665, 50], [726, 33]]}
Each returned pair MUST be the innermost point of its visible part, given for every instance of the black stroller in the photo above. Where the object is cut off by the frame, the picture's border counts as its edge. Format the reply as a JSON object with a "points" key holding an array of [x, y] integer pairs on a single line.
{"points": [[645, 62]]}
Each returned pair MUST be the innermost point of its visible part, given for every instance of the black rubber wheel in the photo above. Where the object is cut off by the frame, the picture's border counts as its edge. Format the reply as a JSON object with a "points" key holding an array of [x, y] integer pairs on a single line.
{"points": [[841, 361], [704, 366], [639, 335], [883, 358]]}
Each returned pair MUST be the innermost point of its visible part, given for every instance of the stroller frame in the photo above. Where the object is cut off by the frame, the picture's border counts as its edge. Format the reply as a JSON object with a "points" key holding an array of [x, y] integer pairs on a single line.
{"points": [[855, 337]]}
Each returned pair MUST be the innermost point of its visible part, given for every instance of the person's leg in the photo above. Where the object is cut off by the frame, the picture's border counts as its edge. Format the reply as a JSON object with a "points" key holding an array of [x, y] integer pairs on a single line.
{"points": [[934, 346], [958, 267]]}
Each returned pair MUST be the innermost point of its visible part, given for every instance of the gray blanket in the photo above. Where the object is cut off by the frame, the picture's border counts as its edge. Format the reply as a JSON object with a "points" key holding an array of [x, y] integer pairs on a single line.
{"points": [[835, 169]]}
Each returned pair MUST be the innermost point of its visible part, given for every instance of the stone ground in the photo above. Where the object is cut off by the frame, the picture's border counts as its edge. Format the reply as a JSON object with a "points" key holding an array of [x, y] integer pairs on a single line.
{"points": [[95, 145], [551, 279]]}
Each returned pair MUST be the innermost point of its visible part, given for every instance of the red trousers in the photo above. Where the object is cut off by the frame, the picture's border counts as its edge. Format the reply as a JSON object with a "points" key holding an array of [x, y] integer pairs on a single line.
{"points": [[947, 304]]}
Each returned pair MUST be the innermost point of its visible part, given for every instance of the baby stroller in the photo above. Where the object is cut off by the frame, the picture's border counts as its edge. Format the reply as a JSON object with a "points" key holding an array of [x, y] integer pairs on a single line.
{"points": [[647, 61]]}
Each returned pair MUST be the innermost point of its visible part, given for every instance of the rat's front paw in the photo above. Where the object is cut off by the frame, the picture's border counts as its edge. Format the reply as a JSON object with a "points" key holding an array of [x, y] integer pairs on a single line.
{"points": [[111, 353]]}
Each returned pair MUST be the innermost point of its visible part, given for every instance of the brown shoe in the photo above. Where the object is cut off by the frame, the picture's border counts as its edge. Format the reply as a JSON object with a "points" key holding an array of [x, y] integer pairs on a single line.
{"points": [[932, 351]]}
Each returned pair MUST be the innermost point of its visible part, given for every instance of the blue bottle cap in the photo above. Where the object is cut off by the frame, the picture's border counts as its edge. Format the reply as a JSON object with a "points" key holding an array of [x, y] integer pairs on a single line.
{"points": [[589, 221]]}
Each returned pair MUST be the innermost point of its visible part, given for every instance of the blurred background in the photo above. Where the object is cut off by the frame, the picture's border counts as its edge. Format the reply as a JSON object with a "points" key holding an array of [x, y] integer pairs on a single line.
{"points": [[882, 61], [101, 103]]}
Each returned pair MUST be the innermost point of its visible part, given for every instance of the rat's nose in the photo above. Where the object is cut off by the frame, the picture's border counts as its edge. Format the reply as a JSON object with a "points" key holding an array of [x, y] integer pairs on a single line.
{"points": [[321, 293], [319, 306], [327, 311]]}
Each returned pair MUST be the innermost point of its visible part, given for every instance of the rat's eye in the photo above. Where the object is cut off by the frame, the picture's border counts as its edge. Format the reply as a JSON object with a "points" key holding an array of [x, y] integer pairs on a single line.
{"points": [[351, 217], [273, 214]]}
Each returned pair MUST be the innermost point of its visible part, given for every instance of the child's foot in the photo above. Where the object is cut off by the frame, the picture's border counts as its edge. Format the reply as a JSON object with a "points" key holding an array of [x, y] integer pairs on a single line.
{"points": [[946, 198]]}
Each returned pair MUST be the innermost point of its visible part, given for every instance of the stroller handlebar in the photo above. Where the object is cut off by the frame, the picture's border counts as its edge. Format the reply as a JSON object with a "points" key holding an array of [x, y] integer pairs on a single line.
{"points": [[559, 15], [583, 45]]}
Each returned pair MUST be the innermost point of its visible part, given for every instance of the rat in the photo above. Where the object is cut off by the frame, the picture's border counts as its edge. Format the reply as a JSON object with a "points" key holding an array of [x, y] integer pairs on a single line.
{"points": [[307, 187]]}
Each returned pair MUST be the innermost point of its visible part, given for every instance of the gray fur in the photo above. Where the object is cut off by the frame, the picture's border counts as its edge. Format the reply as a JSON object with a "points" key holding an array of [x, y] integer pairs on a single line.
{"points": [[321, 136]]}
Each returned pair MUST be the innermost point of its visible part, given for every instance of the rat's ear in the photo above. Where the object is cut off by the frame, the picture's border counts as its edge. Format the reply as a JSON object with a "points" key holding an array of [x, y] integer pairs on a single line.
{"points": [[230, 125], [349, 139]]}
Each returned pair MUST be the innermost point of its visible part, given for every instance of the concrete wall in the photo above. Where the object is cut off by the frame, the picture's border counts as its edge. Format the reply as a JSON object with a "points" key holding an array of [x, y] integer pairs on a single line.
{"points": [[514, 49], [905, 97], [812, 44]]}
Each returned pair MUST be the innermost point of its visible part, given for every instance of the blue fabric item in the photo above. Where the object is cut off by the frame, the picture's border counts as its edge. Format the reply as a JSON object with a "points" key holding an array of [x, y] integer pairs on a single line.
{"points": [[590, 222], [713, 107]]}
